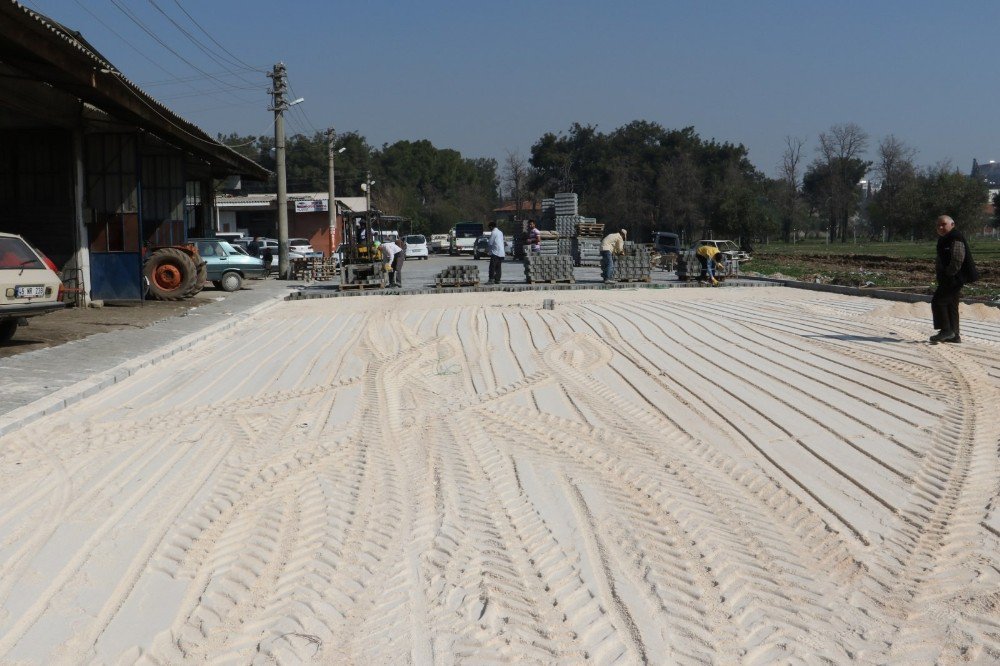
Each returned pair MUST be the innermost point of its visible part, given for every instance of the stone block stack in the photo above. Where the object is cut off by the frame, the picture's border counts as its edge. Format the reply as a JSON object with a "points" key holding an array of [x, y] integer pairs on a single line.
{"points": [[551, 268], [634, 266], [586, 246], [458, 276], [566, 204]]}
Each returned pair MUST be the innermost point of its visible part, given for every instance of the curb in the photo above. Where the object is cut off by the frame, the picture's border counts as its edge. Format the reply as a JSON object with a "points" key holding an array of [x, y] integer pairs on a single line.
{"points": [[308, 293], [883, 294], [70, 395]]}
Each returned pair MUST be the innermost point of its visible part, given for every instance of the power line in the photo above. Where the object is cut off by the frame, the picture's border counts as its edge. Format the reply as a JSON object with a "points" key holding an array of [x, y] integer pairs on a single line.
{"points": [[132, 17], [207, 34], [196, 42]]}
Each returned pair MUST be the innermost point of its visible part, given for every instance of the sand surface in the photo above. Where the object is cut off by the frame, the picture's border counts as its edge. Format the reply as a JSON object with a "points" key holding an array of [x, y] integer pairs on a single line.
{"points": [[670, 476]]}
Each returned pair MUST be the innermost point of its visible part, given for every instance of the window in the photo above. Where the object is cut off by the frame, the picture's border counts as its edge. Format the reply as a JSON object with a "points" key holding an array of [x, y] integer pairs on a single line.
{"points": [[15, 254]]}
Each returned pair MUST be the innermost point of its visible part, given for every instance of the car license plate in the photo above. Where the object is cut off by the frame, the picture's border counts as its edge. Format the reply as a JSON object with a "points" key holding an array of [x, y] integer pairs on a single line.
{"points": [[29, 292]]}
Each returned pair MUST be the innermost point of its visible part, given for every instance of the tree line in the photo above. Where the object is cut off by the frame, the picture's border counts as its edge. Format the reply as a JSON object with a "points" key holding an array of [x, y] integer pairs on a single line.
{"points": [[646, 178]]}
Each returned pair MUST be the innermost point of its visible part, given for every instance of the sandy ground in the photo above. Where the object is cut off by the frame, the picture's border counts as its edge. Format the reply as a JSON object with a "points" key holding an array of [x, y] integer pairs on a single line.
{"points": [[669, 476]]}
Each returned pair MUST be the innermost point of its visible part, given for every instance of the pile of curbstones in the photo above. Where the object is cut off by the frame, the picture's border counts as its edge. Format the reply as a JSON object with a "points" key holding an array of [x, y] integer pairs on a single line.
{"points": [[458, 276], [634, 266], [548, 268]]}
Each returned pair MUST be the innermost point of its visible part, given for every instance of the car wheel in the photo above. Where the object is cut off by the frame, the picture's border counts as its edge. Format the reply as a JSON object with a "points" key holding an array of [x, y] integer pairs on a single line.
{"points": [[231, 282], [7, 329]]}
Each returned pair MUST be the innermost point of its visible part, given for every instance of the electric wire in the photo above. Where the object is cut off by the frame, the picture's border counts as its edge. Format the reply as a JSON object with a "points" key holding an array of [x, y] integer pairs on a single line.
{"points": [[209, 35], [142, 26], [197, 42]]}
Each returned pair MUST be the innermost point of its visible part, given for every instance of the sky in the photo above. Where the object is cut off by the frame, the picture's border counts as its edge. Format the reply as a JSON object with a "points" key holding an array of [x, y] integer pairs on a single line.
{"points": [[489, 79]]}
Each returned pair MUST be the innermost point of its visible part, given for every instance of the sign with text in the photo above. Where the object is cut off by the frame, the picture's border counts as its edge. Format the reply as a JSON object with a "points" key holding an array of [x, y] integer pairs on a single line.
{"points": [[318, 206]]}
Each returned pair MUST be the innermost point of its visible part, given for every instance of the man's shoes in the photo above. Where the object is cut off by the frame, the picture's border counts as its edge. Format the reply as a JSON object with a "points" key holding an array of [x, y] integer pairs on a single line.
{"points": [[943, 336], [955, 340], [609, 282], [715, 283]]}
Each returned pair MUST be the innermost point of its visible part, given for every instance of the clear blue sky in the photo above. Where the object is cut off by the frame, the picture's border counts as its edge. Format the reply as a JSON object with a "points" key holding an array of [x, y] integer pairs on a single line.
{"points": [[491, 78]]}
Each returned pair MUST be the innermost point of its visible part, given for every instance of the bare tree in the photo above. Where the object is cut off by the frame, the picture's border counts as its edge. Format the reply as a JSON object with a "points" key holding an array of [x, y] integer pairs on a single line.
{"points": [[515, 174], [896, 170], [791, 175], [841, 150]]}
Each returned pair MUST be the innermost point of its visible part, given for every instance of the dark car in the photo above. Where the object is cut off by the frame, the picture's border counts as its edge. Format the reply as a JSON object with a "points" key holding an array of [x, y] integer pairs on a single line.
{"points": [[666, 243], [227, 266], [481, 248]]}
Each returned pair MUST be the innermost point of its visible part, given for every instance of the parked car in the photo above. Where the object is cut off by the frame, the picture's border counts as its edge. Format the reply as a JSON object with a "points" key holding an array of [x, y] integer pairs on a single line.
{"points": [[416, 246], [728, 248], [439, 243], [481, 248], [227, 266], [302, 246], [29, 284], [666, 243]]}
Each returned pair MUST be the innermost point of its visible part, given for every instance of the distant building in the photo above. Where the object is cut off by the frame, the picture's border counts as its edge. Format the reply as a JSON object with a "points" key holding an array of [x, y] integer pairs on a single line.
{"points": [[989, 173]]}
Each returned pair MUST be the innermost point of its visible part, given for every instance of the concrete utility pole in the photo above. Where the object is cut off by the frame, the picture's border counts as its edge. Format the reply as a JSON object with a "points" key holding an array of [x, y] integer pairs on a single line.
{"points": [[278, 89], [331, 136]]}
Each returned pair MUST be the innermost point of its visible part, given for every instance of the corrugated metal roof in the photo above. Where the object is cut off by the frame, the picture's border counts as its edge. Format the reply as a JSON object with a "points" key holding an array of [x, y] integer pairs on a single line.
{"points": [[182, 131]]}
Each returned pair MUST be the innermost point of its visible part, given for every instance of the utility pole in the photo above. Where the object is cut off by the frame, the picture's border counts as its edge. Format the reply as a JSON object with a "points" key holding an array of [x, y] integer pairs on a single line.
{"points": [[278, 89], [331, 136]]}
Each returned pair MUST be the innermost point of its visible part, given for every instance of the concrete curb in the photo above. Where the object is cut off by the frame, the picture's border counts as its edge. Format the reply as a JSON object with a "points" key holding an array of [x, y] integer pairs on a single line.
{"points": [[334, 292], [69, 395], [883, 294]]}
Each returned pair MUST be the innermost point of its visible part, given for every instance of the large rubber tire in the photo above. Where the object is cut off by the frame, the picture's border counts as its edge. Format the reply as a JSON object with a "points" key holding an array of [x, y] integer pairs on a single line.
{"points": [[201, 279], [231, 281], [171, 274], [7, 329]]}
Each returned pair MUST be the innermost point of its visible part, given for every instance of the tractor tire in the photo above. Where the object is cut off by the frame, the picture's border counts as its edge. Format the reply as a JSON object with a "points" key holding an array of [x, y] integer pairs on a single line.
{"points": [[8, 327], [231, 281], [171, 274], [200, 279]]}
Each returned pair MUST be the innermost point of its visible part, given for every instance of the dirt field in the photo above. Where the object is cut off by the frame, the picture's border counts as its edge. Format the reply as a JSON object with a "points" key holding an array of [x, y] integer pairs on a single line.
{"points": [[78, 323], [667, 476]]}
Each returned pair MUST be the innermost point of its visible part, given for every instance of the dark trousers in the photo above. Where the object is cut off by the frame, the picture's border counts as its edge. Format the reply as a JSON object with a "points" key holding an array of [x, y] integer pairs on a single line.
{"points": [[607, 265], [396, 276], [496, 264], [944, 307]]}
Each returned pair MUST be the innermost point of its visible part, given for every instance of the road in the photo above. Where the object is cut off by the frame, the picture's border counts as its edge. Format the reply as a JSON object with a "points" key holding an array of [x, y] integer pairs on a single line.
{"points": [[687, 475]]}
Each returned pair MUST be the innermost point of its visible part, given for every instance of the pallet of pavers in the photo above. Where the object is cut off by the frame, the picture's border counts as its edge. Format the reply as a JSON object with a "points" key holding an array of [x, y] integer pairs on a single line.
{"points": [[587, 251], [458, 276], [634, 266], [548, 268]]}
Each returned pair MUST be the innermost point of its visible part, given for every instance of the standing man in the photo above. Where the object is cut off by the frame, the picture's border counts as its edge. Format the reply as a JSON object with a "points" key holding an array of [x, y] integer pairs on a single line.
{"points": [[253, 247], [954, 267], [611, 245], [534, 239], [495, 248], [708, 255]]}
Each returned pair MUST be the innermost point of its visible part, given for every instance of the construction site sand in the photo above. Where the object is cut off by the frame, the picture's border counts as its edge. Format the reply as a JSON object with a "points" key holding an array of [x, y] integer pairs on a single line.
{"points": [[663, 476]]}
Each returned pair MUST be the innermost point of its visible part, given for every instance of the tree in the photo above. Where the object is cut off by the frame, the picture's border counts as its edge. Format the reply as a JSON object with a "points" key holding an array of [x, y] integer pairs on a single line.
{"points": [[895, 206], [515, 174], [790, 171], [841, 149], [949, 192]]}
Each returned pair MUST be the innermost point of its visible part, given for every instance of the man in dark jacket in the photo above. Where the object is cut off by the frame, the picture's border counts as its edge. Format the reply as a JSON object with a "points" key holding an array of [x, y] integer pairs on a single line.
{"points": [[955, 267]]}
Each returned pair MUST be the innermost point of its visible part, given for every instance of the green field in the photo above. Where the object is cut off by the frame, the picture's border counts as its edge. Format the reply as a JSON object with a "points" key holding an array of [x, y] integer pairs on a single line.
{"points": [[983, 249]]}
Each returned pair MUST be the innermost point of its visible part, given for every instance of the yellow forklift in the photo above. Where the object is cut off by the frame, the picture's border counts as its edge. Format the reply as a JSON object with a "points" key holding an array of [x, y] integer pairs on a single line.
{"points": [[361, 267]]}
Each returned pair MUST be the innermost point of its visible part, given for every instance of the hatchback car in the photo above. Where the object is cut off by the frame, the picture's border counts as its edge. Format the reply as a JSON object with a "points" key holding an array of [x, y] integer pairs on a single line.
{"points": [[303, 246], [29, 285], [416, 246], [227, 267]]}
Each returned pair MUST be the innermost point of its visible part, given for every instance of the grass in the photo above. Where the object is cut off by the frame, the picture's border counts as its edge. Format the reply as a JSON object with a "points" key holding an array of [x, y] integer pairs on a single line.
{"points": [[983, 249]]}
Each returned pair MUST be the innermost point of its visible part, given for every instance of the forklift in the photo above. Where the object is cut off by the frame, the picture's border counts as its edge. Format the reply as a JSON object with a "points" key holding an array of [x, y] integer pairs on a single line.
{"points": [[361, 266]]}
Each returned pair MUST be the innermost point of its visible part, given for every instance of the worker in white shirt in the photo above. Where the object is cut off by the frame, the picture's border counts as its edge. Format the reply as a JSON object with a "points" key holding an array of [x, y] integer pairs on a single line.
{"points": [[611, 245], [389, 252], [495, 248]]}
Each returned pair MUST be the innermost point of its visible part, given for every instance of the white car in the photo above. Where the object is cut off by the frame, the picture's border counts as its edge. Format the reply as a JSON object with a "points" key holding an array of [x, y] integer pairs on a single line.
{"points": [[303, 246], [29, 285], [416, 246]]}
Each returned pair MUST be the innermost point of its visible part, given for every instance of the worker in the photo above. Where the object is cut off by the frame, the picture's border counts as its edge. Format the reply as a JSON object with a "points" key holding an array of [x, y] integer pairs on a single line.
{"points": [[389, 252], [397, 262], [709, 257], [611, 245]]}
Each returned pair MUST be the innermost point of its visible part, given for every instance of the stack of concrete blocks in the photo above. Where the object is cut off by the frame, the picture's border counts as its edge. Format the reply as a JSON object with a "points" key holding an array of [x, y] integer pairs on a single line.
{"points": [[549, 207], [566, 204], [586, 247], [634, 266], [688, 266], [548, 268], [458, 276]]}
